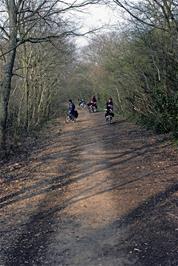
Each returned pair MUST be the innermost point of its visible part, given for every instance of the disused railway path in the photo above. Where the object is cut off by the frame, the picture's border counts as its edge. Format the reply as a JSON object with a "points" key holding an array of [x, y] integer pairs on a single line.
{"points": [[94, 194]]}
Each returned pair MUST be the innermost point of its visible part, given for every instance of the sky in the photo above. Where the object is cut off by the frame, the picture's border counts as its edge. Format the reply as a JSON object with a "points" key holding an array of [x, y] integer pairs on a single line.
{"points": [[96, 17]]}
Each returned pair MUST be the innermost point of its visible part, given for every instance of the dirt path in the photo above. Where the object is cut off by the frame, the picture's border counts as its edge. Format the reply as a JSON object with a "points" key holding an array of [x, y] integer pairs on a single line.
{"points": [[94, 194]]}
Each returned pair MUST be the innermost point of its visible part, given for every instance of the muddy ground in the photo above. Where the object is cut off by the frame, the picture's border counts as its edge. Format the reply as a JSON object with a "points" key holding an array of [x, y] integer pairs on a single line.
{"points": [[92, 195]]}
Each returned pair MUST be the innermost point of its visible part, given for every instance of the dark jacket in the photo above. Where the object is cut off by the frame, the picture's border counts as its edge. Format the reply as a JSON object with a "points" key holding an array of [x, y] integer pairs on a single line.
{"points": [[109, 105], [71, 108]]}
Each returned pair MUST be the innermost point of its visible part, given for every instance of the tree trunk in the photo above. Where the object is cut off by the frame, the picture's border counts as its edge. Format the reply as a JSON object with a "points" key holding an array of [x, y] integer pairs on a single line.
{"points": [[8, 72]]}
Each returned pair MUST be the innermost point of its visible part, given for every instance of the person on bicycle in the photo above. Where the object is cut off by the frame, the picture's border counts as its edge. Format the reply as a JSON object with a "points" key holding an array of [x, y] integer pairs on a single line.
{"points": [[71, 109], [109, 107], [81, 102], [94, 101]]}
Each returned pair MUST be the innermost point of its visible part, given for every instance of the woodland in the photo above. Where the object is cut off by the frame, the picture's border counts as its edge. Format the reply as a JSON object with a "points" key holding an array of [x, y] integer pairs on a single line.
{"points": [[41, 66]]}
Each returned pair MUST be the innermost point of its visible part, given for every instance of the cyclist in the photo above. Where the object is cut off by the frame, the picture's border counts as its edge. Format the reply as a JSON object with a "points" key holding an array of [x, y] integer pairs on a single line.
{"points": [[71, 109], [109, 107]]}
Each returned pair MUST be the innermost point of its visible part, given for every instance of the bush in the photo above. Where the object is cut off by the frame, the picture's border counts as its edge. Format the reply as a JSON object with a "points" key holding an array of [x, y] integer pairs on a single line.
{"points": [[163, 116]]}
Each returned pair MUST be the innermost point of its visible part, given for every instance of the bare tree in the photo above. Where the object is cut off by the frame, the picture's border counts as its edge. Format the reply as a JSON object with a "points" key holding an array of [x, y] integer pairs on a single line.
{"points": [[161, 14], [29, 21]]}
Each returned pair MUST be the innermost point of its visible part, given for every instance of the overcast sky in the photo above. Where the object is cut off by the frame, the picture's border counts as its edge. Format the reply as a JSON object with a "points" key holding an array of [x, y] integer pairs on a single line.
{"points": [[96, 17]]}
